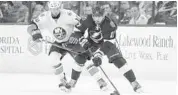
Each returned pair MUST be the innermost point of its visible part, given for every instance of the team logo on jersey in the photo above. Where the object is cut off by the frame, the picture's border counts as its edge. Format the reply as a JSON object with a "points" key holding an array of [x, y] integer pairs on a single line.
{"points": [[59, 33]]}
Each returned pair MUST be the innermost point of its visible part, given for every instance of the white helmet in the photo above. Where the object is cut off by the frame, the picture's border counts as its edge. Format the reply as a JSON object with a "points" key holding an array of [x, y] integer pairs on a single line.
{"points": [[54, 4]]}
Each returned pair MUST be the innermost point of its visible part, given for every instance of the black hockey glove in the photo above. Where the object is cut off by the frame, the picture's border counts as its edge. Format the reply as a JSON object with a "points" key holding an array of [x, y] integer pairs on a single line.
{"points": [[36, 35], [97, 59], [84, 43], [87, 54]]}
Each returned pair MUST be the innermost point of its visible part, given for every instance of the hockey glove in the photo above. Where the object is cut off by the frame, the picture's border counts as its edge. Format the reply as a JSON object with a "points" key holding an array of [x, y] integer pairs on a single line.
{"points": [[84, 43], [97, 59], [36, 35]]}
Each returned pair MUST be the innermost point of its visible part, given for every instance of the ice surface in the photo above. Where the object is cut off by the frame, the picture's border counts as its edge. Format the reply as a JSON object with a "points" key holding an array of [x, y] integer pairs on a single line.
{"points": [[47, 84]]}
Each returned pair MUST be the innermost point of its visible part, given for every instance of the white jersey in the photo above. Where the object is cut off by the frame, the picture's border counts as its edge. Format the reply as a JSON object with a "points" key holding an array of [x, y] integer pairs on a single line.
{"points": [[60, 29]]}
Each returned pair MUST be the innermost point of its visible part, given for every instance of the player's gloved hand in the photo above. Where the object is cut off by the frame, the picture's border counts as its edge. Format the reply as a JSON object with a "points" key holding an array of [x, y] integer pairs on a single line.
{"points": [[86, 54], [97, 59], [36, 35], [84, 43]]}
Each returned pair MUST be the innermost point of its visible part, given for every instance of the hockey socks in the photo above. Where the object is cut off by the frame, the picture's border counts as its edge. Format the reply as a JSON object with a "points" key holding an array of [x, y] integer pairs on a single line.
{"points": [[74, 77], [128, 73], [121, 64], [75, 74], [130, 76]]}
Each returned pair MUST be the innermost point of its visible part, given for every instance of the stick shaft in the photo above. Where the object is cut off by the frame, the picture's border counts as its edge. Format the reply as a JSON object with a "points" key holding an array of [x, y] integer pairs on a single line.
{"points": [[108, 79], [59, 46]]}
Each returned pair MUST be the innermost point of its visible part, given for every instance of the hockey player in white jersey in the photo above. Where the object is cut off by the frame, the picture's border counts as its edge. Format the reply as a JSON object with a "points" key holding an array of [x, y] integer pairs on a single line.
{"points": [[60, 24]]}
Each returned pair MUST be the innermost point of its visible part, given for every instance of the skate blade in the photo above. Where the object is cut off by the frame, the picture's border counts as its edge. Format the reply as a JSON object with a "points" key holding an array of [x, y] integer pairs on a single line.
{"points": [[115, 93], [104, 89], [64, 89], [140, 91]]}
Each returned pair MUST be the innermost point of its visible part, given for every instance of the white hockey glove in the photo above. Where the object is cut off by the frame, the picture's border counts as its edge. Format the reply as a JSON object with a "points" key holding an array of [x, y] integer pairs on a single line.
{"points": [[36, 35]]}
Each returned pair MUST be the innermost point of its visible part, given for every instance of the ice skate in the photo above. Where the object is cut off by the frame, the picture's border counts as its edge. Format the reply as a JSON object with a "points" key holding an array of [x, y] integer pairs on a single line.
{"points": [[137, 87], [68, 86], [102, 84], [115, 93], [63, 84]]}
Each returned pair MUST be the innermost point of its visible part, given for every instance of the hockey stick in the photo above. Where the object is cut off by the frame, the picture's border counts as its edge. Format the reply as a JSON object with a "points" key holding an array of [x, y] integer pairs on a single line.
{"points": [[42, 40], [107, 76], [109, 80]]}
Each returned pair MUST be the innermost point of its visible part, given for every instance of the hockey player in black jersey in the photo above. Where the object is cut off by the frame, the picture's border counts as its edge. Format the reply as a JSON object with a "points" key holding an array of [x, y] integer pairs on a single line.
{"points": [[101, 41]]}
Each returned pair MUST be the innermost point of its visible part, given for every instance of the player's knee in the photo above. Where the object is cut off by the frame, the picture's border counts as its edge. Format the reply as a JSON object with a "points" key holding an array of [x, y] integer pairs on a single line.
{"points": [[80, 60], [58, 69], [106, 47], [78, 67], [119, 62]]}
